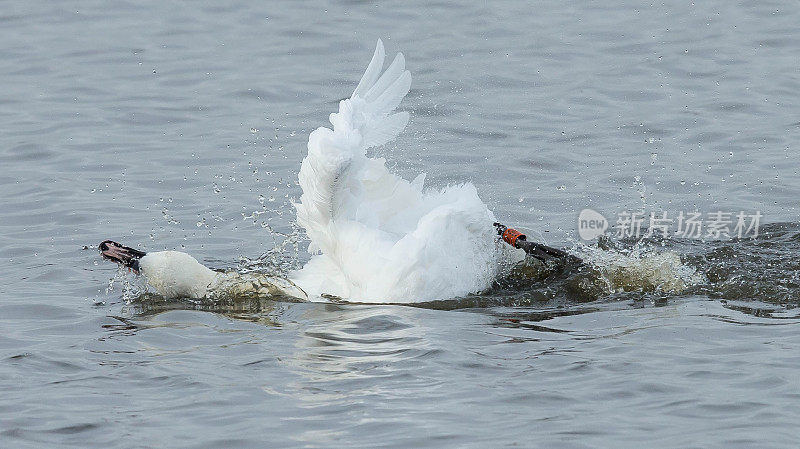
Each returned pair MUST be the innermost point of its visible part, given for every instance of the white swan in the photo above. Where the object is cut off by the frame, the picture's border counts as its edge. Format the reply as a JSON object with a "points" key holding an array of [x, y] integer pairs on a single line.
{"points": [[375, 236]]}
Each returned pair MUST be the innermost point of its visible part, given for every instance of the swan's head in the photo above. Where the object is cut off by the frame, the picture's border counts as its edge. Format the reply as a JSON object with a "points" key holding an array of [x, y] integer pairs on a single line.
{"points": [[123, 255]]}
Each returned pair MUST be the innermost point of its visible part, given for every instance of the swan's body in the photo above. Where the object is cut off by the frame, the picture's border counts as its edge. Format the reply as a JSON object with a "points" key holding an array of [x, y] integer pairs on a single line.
{"points": [[375, 236]]}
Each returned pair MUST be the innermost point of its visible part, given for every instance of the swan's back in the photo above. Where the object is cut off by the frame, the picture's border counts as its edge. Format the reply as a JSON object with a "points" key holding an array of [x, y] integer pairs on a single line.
{"points": [[377, 237]]}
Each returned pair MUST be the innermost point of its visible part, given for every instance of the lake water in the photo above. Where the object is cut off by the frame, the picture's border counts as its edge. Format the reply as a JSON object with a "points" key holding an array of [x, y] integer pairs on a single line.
{"points": [[182, 126]]}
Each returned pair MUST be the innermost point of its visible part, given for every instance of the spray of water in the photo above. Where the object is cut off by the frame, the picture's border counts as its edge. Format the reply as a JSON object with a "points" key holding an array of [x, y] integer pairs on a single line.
{"points": [[644, 268]]}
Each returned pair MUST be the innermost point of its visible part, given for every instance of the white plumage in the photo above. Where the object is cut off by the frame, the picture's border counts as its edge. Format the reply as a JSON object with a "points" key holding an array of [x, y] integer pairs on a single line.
{"points": [[377, 237], [174, 274]]}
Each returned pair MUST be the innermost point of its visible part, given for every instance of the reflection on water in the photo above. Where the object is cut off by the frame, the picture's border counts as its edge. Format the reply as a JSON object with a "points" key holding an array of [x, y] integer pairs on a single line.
{"points": [[249, 308]]}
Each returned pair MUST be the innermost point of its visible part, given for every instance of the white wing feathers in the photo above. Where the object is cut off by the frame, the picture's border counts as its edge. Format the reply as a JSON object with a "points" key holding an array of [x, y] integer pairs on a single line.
{"points": [[374, 99], [373, 71], [364, 120], [381, 237]]}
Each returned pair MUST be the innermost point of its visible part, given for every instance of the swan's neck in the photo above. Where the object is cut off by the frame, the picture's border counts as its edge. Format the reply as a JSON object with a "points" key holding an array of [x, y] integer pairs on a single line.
{"points": [[176, 274]]}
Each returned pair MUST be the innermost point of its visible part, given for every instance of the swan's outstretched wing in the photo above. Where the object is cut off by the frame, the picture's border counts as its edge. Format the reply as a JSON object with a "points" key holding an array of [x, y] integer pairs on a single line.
{"points": [[366, 119], [383, 238]]}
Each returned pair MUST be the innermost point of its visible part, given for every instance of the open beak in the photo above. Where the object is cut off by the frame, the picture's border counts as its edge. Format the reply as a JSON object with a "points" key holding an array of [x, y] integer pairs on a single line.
{"points": [[123, 255]]}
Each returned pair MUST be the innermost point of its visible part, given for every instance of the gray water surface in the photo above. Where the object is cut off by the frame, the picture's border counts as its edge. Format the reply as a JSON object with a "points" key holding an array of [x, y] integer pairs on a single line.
{"points": [[182, 126]]}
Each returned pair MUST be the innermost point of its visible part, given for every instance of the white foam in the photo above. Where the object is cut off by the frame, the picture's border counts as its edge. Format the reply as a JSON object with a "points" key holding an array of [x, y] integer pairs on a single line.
{"points": [[640, 269]]}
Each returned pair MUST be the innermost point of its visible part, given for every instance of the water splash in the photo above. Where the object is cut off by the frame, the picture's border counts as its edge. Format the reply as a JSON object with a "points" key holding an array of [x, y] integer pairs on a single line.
{"points": [[133, 287], [282, 258], [642, 268]]}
